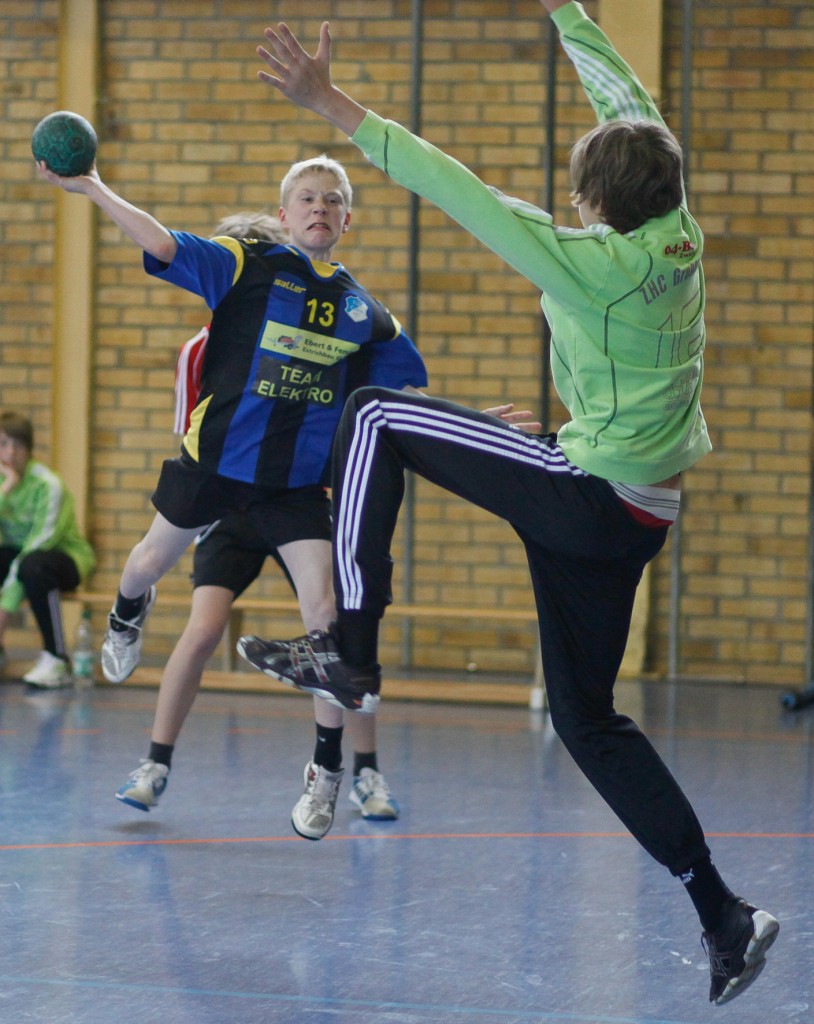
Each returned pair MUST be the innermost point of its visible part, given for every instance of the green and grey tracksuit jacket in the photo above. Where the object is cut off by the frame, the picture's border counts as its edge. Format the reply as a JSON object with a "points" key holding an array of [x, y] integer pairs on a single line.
{"points": [[626, 311]]}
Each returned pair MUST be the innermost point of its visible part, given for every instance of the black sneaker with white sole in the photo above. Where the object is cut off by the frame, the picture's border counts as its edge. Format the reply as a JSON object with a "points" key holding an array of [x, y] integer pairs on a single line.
{"points": [[737, 949], [313, 663]]}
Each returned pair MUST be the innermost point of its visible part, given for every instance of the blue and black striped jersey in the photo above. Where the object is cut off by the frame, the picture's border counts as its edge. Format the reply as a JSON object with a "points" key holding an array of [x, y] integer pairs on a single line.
{"points": [[290, 339]]}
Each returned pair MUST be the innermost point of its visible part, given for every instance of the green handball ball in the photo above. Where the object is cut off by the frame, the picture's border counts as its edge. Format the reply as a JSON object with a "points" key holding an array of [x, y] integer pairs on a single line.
{"points": [[66, 142]]}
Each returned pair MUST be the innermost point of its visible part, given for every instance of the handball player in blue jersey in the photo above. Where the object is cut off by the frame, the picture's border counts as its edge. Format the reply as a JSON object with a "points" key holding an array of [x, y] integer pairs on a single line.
{"points": [[292, 334]]}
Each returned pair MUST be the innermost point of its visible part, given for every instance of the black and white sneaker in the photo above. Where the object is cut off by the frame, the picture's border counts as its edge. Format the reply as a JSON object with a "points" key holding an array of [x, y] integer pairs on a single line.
{"points": [[737, 950], [313, 663]]}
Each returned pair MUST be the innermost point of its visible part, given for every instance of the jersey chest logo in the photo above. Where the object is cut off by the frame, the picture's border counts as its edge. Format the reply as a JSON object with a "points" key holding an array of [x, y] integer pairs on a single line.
{"points": [[308, 345]]}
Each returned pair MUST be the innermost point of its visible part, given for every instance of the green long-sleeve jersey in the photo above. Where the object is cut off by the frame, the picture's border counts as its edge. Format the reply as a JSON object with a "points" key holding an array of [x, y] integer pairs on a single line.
{"points": [[38, 514], [626, 311]]}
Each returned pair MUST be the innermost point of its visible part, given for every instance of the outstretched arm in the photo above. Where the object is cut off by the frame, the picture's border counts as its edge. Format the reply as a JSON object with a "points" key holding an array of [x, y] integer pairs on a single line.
{"points": [[518, 232], [137, 224], [306, 80], [552, 5]]}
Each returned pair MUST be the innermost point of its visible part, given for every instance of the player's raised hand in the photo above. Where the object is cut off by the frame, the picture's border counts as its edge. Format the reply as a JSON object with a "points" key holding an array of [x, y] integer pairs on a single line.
{"points": [[303, 79], [306, 80]]}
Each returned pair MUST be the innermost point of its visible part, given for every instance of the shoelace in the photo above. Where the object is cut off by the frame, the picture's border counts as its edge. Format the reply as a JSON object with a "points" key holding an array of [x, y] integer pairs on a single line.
{"points": [[720, 961], [147, 773], [128, 626], [303, 655], [373, 786], [323, 802], [120, 640]]}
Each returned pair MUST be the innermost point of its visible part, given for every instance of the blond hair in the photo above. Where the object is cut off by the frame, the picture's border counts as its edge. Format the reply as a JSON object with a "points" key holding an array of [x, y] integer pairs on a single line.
{"points": [[261, 226], [316, 163]]}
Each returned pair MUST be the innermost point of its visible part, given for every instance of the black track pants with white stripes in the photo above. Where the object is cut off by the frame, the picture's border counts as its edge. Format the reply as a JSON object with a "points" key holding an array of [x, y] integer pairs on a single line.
{"points": [[586, 555], [44, 574]]}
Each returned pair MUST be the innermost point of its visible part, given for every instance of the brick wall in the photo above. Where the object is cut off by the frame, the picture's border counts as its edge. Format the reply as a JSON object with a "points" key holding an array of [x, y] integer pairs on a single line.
{"points": [[187, 132], [752, 184], [27, 91]]}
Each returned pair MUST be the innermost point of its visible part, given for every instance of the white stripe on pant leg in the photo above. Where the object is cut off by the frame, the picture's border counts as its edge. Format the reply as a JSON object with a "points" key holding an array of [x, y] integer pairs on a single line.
{"points": [[55, 611], [371, 432], [357, 472], [488, 445], [489, 438], [368, 436]]}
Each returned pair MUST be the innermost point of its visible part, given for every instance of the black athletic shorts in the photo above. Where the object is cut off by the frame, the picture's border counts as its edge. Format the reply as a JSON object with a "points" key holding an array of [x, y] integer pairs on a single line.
{"points": [[189, 497], [231, 552]]}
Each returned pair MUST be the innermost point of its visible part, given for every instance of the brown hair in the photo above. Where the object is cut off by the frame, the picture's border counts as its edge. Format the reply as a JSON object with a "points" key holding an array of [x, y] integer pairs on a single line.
{"points": [[629, 171], [18, 428]]}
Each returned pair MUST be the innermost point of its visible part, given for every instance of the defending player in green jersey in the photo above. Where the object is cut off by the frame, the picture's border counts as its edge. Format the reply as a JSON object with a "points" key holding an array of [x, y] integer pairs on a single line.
{"points": [[624, 296]]}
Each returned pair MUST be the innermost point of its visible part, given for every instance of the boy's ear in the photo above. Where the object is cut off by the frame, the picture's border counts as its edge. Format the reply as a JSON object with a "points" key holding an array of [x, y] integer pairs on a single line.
{"points": [[346, 223]]}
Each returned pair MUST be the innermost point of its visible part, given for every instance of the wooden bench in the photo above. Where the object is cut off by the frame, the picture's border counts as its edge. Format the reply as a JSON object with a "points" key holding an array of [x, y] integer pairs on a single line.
{"points": [[228, 678]]}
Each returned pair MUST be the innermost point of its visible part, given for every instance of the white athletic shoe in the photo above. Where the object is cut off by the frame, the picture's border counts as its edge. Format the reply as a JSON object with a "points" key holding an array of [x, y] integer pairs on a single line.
{"points": [[49, 673], [371, 794], [121, 648], [313, 813], [145, 785]]}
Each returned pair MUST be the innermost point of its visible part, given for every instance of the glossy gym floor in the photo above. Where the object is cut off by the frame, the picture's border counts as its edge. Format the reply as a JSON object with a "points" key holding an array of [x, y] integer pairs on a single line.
{"points": [[506, 893]]}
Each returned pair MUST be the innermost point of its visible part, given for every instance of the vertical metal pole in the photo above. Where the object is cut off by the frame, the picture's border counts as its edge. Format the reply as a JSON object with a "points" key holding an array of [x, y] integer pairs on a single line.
{"points": [[408, 505], [537, 696], [548, 204], [809, 650], [674, 643], [673, 654]]}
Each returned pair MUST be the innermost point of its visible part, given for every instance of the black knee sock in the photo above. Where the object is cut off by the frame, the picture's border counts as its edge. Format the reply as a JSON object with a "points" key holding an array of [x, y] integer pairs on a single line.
{"points": [[361, 761], [161, 753], [127, 608], [708, 892], [358, 637], [328, 749]]}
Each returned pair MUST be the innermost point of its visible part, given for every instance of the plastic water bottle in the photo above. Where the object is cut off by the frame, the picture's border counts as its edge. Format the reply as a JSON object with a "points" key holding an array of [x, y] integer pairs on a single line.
{"points": [[84, 655]]}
